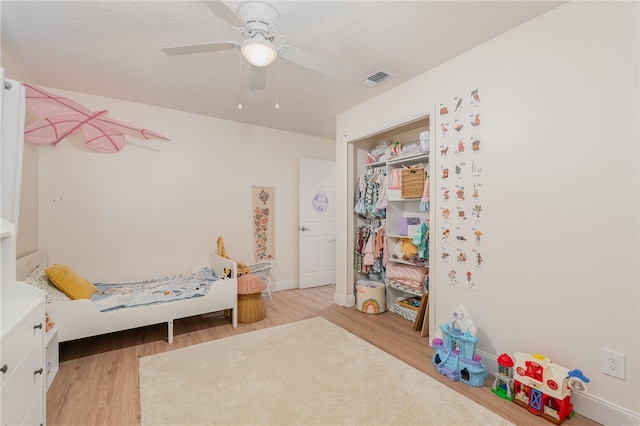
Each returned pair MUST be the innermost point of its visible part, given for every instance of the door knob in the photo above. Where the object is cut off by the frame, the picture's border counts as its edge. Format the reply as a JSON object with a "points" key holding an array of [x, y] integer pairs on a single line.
{"points": [[304, 228]]}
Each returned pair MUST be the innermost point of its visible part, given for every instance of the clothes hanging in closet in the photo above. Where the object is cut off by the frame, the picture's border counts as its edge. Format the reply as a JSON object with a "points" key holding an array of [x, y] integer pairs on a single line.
{"points": [[371, 194], [370, 248], [424, 201], [421, 240]]}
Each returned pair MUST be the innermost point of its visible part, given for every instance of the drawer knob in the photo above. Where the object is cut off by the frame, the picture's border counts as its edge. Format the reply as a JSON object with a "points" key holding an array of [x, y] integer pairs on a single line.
{"points": [[38, 371], [4, 368], [38, 326]]}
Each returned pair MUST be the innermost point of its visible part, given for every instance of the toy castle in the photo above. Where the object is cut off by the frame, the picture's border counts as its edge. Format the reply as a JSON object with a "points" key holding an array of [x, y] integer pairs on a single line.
{"points": [[455, 354]]}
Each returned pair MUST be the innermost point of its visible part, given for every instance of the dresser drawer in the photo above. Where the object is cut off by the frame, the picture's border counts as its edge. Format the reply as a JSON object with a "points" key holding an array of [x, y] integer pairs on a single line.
{"points": [[35, 415], [16, 344], [23, 388]]}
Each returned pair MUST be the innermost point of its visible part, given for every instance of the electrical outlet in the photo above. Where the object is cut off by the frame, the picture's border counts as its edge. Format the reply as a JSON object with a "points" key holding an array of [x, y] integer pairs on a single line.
{"points": [[613, 363]]}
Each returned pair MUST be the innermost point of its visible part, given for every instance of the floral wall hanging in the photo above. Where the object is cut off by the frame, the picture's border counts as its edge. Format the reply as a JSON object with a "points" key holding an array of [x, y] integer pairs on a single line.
{"points": [[263, 204]]}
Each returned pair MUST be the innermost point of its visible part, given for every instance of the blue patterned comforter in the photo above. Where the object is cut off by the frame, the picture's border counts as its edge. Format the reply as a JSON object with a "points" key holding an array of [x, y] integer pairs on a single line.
{"points": [[114, 296]]}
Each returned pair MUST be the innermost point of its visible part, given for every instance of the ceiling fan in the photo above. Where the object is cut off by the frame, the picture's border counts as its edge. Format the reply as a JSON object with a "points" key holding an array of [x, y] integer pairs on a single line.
{"points": [[257, 22]]}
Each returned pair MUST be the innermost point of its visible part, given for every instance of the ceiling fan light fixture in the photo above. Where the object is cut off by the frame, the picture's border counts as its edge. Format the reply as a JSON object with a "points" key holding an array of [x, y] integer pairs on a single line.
{"points": [[258, 51]]}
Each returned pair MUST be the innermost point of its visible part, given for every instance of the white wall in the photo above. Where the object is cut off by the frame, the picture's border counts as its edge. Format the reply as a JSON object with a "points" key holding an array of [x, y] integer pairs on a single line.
{"points": [[560, 129], [158, 207]]}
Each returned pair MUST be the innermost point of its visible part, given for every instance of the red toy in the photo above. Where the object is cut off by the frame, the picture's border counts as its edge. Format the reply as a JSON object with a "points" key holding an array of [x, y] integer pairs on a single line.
{"points": [[539, 385]]}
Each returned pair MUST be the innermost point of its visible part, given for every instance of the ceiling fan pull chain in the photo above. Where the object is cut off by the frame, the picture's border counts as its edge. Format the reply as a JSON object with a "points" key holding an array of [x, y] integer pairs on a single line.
{"points": [[240, 85], [277, 83]]}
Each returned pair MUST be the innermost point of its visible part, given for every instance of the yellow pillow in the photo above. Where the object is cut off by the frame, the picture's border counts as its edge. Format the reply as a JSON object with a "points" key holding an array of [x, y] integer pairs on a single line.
{"points": [[69, 282]]}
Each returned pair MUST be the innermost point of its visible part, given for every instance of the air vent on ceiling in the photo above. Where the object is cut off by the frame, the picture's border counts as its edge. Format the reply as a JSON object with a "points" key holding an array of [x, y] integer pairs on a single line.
{"points": [[376, 78]]}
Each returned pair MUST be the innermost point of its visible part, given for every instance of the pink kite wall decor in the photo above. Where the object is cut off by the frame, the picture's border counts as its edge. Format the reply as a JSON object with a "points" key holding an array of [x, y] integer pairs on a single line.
{"points": [[61, 117]]}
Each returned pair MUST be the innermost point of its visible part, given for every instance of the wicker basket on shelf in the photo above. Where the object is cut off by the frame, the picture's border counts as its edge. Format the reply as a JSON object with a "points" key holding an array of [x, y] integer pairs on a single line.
{"points": [[412, 182]]}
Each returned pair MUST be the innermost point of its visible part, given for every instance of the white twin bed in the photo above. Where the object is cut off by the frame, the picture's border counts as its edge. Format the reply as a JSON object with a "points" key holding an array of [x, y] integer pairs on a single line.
{"points": [[76, 319]]}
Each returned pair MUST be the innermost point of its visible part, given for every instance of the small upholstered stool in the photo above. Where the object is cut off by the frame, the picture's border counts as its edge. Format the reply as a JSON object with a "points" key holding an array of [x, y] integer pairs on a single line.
{"points": [[251, 307]]}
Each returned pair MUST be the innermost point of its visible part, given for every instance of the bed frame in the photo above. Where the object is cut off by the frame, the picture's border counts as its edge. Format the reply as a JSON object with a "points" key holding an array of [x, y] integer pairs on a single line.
{"points": [[76, 319]]}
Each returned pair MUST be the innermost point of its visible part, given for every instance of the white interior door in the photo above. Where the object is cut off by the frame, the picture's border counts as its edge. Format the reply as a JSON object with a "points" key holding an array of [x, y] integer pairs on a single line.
{"points": [[317, 223]]}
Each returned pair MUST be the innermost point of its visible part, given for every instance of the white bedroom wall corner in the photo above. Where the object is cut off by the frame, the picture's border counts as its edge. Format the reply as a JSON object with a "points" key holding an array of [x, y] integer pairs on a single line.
{"points": [[343, 208]]}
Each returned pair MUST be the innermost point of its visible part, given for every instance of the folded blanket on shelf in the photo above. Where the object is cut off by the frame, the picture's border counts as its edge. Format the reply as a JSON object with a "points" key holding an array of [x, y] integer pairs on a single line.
{"points": [[412, 276]]}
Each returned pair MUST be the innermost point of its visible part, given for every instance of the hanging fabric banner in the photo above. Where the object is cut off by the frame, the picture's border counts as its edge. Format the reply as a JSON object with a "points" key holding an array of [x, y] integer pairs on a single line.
{"points": [[264, 232]]}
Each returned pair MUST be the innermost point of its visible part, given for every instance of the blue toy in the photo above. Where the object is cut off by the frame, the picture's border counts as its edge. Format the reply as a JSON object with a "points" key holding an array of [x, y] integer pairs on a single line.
{"points": [[455, 354]]}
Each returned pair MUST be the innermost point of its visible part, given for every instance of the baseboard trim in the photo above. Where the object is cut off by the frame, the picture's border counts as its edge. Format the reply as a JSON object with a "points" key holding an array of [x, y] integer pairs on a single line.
{"points": [[603, 411], [585, 404], [284, 285], [347, 302]]}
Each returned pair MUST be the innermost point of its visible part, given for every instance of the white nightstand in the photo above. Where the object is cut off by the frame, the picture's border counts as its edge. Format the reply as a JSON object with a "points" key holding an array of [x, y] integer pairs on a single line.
{"points": [[51, 354]]}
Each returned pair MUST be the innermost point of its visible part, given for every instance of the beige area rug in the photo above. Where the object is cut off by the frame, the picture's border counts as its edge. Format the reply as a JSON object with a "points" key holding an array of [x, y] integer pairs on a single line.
{"points": [[310, 372]]}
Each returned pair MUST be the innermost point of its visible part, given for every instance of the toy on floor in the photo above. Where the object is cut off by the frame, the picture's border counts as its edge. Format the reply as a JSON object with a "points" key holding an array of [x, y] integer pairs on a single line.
{"points": [[48, 323], [503, 383], [227, 273], [539, 385], [455, 354], [404, 249]]}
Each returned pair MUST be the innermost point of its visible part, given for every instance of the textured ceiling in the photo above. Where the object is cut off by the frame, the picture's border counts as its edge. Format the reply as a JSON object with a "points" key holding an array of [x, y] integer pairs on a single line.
{"points": [[112, 49]]}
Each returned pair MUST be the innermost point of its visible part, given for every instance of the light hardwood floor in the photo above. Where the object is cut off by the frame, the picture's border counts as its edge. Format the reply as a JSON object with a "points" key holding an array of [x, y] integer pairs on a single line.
{"points": [[97, 383]]}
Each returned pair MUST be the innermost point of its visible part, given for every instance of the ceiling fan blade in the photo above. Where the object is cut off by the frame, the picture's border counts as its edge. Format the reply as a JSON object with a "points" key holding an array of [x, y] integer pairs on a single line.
{"points": [[200, 48], [307, 15], [225, 11], [258, 80], [307, 60]]}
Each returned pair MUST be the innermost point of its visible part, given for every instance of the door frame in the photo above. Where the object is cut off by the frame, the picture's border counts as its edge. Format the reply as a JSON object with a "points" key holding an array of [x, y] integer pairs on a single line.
{"points": [[348, 160], [302, 222]]}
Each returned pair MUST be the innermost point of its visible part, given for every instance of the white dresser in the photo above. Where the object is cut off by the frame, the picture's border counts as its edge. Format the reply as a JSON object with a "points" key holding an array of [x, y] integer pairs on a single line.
{"points": [[22, 354]]}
